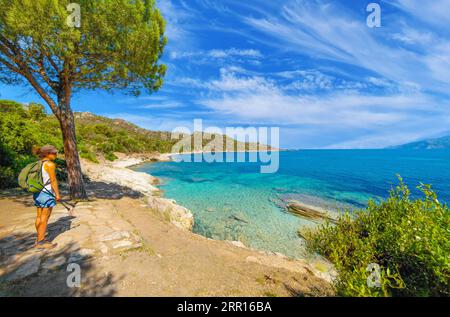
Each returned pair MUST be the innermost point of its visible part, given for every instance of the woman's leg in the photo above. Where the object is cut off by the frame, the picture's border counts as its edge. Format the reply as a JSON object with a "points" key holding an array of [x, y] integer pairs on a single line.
{"points": [[42, 228], [37, 223]]}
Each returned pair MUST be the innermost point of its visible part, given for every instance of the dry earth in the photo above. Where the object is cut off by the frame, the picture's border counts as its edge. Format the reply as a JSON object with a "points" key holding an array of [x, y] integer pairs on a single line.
{"points": [[125, 248]]}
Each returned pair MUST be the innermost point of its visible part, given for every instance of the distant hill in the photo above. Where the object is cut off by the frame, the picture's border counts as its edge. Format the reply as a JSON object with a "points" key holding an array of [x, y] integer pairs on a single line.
{"points": [[91, 127], [427, 144], [24, 126]]}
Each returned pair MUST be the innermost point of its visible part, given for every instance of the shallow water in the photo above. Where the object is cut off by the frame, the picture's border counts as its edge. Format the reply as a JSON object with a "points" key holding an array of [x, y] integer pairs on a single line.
{"points": [[234, 201]]}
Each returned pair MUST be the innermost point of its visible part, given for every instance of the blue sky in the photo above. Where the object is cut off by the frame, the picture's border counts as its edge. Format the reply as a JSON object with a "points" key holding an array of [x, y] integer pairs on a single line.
{"points": [[313, 68]]}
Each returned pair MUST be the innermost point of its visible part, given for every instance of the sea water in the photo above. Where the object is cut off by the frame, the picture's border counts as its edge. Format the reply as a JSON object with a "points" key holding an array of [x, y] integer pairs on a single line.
{"points": [[234, 201]]}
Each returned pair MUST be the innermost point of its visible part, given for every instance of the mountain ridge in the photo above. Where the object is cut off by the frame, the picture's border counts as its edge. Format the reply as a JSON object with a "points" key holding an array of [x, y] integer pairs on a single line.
{"points": [[426, 144]]}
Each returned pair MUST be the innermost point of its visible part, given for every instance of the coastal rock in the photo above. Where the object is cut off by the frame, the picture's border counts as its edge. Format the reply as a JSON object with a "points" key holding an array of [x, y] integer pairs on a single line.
{"points": [[117, 173], [238, 244], [319, 268], [178, 215], [307, 211], [140, 182]]}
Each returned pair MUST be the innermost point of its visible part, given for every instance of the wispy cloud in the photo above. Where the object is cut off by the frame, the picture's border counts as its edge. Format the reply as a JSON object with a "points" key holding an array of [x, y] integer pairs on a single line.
{"points": [[256, 99], [316, 68], [326, 30], [162, 106], [233, 55]]}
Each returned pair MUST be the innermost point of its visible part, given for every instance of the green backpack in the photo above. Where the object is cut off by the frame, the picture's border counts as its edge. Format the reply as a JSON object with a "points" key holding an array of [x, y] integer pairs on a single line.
{"points": [[30, 178]]}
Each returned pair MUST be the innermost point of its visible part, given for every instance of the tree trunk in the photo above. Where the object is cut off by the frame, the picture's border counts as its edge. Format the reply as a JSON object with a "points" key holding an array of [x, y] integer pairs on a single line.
{"points": [[76, 184]]}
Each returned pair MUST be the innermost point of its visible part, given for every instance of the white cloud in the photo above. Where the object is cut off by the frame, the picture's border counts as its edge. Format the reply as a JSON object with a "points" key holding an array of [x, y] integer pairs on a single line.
{"points": [[258, 100], [405, 63], [434, 12], [162, 106], [217, 54], [150, 122], [262, 99], [328, 31], [178, 20]]}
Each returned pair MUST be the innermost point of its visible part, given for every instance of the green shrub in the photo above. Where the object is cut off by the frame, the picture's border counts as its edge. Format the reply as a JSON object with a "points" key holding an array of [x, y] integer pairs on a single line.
{"points": [[89, 156], [408, 239], [36, 111], [110, 156], [7, 177]]}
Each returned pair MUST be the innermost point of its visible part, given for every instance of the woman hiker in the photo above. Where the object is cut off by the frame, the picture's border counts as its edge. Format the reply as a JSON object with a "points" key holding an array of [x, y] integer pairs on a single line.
{"points": [[47, 198]]}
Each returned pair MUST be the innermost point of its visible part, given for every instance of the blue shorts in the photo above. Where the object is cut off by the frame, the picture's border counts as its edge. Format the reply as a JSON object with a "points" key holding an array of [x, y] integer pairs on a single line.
{"points": [[44, 200]]}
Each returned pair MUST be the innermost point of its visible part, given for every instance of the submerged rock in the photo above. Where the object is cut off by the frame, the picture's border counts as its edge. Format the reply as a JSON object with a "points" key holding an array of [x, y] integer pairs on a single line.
{"points": [[234, 217], [310, 212]]}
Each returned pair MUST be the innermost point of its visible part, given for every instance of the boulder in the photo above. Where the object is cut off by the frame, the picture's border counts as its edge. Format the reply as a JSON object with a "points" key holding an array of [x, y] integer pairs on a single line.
{"points": [[137, 181], [178, 215]]}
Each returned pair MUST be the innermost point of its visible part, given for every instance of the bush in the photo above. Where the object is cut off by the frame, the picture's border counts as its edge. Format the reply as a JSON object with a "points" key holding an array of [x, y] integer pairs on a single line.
{"points": [[110, 156], [408, 239], [90, 156], [7, 177]]}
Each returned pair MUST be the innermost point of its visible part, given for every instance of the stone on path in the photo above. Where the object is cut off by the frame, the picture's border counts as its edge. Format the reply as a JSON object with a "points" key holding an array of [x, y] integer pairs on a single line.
{"points": [[115, 236], [31, 266], [103, 248], [54, 263], [81, 254], [121, 244]]}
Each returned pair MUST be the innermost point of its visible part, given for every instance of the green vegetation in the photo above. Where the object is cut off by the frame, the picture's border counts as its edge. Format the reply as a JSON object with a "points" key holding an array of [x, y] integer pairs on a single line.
{"points": [[117, 46], [22, 127], [408, 239], [25, 126]]}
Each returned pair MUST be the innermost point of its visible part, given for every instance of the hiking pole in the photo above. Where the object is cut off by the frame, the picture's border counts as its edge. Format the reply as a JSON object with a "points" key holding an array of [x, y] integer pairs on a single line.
{"points": [[51, 194], [63, 202]]}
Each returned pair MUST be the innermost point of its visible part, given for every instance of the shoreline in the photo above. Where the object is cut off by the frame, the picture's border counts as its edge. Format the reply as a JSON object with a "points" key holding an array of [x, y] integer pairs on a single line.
{"points": [[138, 159], [295, 207], [128, 249], [178, 215], [173, 227]]}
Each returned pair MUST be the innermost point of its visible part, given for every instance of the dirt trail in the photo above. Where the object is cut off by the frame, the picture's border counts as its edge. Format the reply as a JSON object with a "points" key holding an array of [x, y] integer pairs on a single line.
{"points": [[126, 249]]}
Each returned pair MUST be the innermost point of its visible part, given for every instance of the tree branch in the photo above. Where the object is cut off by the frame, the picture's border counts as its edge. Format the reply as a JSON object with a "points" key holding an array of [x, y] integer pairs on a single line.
{"points": [[22, 69], [10, 66]]}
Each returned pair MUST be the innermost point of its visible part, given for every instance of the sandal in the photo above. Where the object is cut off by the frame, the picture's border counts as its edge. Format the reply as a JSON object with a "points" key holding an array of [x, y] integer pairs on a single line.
{"points": [[45, 244]]}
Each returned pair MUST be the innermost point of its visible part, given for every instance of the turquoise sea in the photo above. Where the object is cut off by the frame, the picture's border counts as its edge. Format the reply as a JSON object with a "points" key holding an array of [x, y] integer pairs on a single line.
{"points": [[234, 201]]}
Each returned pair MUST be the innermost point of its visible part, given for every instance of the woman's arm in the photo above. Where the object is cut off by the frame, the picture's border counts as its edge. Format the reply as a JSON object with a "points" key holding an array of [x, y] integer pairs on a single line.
{"points": [[50, 167]]}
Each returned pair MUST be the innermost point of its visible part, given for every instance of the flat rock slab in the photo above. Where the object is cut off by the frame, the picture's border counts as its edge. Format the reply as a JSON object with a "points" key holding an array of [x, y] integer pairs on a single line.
{"points": [[30, 267], [117, 235], [54, 263], [80, 255], [122, 244]]}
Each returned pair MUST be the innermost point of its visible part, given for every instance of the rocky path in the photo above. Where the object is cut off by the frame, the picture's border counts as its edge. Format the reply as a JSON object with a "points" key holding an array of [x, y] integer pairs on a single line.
{"points": [[124, 248]]}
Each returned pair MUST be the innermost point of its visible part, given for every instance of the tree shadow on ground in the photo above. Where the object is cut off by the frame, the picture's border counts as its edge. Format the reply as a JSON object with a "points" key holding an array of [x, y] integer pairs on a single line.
{"points": [[95, 190], [101, 190], [17, 243], [26, 271]]}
